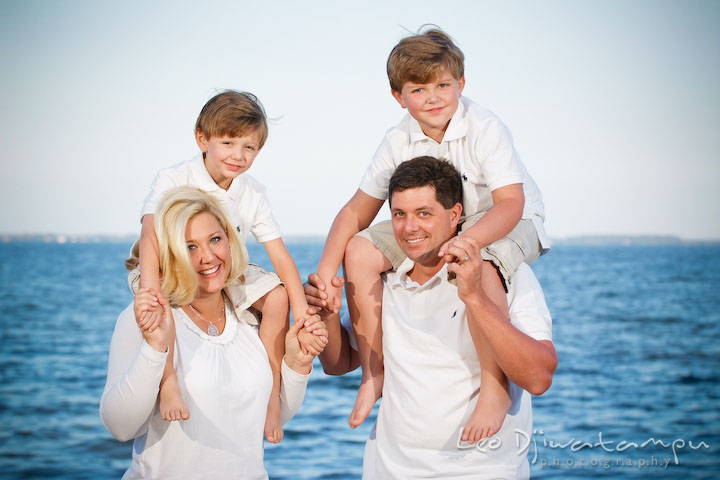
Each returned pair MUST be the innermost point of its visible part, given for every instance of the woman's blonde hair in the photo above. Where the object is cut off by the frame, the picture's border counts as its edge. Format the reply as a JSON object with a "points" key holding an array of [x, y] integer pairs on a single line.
{"points": [[177, 207]]}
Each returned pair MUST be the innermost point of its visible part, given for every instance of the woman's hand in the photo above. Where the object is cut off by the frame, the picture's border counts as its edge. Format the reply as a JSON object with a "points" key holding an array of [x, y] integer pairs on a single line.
{"points": [[156, 333]]}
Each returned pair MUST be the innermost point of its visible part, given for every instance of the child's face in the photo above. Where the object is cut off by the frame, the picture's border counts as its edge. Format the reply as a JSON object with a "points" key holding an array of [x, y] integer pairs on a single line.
{"points": [[227, 157], [432, 104]]}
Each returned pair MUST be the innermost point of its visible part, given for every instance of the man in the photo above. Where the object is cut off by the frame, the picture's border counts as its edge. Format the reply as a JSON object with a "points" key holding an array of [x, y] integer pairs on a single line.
{"points": [[432, 310]]}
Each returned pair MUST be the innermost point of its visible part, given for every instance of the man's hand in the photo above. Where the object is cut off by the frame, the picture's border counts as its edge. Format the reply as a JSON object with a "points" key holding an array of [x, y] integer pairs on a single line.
{"points": [[467, 264], [317, 296]]}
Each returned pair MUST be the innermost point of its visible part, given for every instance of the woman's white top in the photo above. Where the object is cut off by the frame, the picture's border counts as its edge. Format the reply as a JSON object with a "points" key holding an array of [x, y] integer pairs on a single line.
{"points": [[225, 382]]}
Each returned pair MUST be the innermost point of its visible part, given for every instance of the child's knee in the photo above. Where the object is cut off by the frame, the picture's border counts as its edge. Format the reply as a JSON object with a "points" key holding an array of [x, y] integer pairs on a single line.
{"points": [[360, 253]]}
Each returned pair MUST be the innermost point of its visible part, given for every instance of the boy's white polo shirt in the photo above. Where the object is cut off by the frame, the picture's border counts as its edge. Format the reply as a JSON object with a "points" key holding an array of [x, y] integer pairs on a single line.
{"points": [[432, 373], [244, 202], [477, 144]]}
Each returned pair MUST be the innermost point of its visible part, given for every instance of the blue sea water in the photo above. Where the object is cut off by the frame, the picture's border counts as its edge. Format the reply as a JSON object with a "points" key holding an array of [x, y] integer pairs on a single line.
{"points": [[637, 330]]}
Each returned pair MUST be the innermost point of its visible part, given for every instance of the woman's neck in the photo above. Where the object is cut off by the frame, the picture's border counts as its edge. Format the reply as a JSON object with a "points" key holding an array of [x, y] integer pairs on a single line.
{"points": [[209, 305]]}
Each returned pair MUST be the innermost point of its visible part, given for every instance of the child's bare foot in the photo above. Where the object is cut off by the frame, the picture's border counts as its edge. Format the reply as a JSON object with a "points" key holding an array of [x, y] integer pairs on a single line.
{"points": [[273, 427], [172, 406], [488, 416], [368, 393]]}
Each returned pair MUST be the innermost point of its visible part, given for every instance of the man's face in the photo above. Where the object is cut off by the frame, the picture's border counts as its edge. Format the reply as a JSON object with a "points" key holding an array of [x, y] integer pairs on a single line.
{"points": [[421, 224]]}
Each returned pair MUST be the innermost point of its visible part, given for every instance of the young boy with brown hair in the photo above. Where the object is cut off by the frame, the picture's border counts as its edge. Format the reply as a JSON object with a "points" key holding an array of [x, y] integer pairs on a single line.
{"points": [[503, 211], [230, 131]]}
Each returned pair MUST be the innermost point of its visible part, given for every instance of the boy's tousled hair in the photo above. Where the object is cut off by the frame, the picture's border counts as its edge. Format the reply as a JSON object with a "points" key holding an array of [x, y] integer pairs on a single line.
{"points": [[422, 57], [234, 114], [432, 172], [177, 208]]}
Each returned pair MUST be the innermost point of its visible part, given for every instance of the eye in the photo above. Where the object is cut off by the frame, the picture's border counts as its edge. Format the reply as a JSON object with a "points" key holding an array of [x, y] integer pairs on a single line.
{"points": [[398, 214], [424, 214], [443, 85], [215, 239], [251, 147], [416, 90], [191, 247]]}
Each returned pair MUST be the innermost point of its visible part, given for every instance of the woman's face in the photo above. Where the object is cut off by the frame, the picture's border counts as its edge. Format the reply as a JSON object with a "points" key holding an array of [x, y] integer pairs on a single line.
{"points": [[209, 252]]}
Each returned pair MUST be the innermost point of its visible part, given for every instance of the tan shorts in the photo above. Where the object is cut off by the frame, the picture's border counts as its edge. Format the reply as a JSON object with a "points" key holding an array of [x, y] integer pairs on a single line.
{"points": [[520, 245]]}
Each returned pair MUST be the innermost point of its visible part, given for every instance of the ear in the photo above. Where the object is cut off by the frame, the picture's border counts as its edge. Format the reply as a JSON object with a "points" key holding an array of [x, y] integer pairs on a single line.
{"points": [[201, 140], [455, 213], [461, 84], [398, 96]]}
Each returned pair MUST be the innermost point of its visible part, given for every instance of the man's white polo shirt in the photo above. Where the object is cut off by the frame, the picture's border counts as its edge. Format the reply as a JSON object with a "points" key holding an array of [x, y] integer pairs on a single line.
{"points": [[432, 377]]}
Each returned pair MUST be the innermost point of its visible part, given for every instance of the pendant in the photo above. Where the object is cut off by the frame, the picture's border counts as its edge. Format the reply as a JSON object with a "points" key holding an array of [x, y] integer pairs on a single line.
{"points": [[213, 331]]}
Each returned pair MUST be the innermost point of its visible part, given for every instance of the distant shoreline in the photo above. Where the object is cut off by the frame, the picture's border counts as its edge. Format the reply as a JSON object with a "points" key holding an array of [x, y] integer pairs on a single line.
{"points": [[584, 240]]}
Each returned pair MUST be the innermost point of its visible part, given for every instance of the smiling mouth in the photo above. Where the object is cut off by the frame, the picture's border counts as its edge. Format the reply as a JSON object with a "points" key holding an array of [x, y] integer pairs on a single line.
{"points": [[210, 271], [414, 240]]}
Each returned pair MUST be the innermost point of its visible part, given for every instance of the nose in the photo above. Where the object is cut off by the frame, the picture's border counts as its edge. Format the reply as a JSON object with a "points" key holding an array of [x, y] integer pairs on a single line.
{"points": [[410, 224], [432, 95], [207, 254]]}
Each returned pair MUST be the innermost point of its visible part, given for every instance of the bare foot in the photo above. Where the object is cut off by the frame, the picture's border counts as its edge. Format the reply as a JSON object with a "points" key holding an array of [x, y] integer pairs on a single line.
{"points": [[273, 427], [488, 416], [172, 406], [368, 393]]}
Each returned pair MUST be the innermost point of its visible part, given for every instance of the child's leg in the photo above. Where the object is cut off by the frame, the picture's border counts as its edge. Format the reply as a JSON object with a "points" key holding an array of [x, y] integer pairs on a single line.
{"points": [[363, 265], [273, 327], [494, 398], [172, 406]]}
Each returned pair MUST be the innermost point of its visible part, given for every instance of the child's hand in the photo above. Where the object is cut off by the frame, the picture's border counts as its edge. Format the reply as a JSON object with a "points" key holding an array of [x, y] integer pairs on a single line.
{"points": [[313, 337]]}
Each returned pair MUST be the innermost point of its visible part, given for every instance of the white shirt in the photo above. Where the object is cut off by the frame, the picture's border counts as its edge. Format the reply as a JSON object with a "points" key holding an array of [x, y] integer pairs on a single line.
{"points": [[225, 382], [432, 376], [244, 202], [477, 144]]}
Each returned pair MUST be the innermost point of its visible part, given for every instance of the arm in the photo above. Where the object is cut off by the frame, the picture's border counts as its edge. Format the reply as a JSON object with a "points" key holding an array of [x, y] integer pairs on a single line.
{"points": [[135, 368], [356, 215], [296, 369], [149, 262], [338, 357], [527, 362], [506, 212], [287, 271]]}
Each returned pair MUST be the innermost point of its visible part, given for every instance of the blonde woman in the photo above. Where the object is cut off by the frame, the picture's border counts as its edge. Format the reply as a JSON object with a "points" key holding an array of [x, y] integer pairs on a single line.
{"points": [[208, 297]]}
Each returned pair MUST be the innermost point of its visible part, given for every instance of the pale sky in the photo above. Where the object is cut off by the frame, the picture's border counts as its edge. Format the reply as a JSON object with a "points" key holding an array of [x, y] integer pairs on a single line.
{"points": [[614, 105]]}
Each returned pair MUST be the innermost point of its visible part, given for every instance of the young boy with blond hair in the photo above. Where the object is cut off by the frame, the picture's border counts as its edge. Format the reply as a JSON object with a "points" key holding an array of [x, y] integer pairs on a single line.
{"points": [[230, 131], [503, 211]]}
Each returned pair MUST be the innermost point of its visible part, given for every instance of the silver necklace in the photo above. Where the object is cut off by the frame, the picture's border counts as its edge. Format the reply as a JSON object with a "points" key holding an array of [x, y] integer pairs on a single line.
{"points": [[212, 329]]}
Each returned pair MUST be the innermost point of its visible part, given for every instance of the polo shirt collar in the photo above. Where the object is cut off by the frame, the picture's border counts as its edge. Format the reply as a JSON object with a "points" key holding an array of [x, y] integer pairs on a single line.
{"points": [[402, 280], [205, 181], [457, 128]]}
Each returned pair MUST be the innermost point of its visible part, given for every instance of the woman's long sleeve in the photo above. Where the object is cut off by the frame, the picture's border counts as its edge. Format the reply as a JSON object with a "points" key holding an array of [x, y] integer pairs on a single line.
{"points": [[292, 392], [133, 382]]}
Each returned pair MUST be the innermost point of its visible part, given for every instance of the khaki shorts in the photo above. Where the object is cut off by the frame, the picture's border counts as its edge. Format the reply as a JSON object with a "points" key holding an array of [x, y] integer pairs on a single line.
{"points": [[521, 245]]}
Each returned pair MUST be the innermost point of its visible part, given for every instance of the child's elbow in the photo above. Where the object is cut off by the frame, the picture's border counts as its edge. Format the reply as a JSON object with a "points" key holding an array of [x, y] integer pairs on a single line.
{"points": [[540, 385]]}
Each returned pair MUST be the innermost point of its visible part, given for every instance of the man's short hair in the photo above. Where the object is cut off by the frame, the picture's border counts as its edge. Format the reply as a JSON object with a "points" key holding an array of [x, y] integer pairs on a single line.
{"points": [[437, 174], [421, 58], [233, 114]]}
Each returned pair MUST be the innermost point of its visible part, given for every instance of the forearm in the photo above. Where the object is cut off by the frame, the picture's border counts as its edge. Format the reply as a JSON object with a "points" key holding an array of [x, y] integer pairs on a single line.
{"points": [[149, 258], [356, 215], [495, 224], [292, 391], [129, 398], [287, 271], [337, 358], [527, 362]]}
